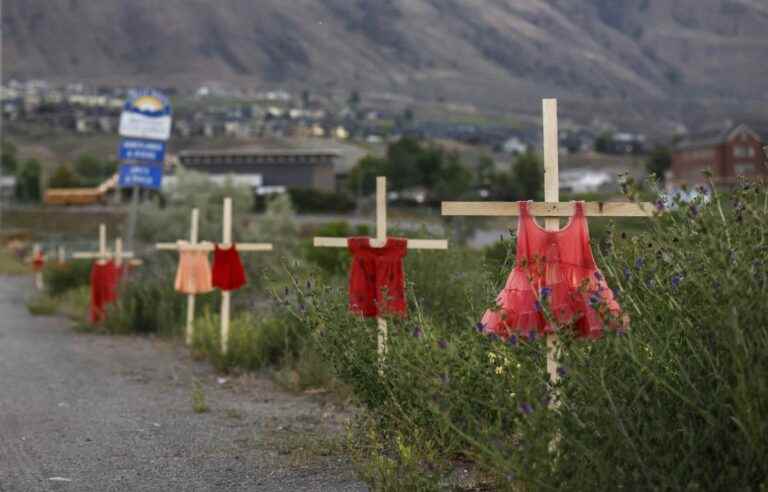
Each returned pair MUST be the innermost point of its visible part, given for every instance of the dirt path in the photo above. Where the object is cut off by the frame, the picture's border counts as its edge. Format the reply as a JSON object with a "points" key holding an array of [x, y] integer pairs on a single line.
{"points": [[88, 412]]}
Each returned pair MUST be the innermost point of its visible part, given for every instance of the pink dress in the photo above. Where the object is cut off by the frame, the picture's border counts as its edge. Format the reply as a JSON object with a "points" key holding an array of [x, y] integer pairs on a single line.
{"points": [[555, 283]]}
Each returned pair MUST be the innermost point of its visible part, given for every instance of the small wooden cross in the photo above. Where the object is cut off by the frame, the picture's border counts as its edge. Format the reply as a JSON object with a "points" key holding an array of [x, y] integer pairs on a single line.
{"points": [[104, 253], [378, 242], [193, 236], [551, 208], [37, 250], [226, 242]]}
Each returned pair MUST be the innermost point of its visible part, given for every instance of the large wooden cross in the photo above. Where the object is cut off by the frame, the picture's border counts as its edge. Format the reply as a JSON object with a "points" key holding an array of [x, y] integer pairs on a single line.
{"points": [[551, 208], [378, 242], [226, 242]]}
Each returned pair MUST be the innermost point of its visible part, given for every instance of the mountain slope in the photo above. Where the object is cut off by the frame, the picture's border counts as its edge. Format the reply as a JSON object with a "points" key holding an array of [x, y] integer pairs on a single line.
{"points": [[487, 52]]}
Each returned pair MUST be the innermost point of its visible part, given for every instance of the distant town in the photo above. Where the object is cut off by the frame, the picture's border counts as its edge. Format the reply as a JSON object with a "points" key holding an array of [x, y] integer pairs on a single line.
{"points": [[316, 142]]}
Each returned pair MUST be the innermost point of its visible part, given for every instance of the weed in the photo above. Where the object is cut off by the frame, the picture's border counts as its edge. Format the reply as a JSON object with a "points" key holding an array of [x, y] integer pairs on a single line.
{"points": [[199, 404]]}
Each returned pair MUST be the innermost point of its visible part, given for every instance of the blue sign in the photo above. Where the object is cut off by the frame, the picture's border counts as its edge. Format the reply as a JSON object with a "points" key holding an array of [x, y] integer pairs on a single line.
{"points": [[146, 114], [137, 150], [148, 176]]}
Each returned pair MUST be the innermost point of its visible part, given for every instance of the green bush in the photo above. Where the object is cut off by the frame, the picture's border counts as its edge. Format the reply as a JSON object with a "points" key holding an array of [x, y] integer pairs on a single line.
{"points": [[309, 200], [678, 402], [148, 303], [254, 343], [60, 278]]}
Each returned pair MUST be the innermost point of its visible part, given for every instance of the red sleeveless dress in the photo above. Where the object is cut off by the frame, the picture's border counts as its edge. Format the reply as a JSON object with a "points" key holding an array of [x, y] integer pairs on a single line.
{"points": [[376, 278], [555, 283]]}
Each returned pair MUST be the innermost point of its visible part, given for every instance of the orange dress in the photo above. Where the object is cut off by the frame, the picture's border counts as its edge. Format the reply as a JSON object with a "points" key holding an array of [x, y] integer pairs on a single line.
{"points": [[193, 275], [555, 283]]}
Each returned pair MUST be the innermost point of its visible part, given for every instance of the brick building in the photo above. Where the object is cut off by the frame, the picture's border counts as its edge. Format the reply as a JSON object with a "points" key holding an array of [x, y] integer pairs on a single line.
{"points": [[268, 168], [728, 154]]}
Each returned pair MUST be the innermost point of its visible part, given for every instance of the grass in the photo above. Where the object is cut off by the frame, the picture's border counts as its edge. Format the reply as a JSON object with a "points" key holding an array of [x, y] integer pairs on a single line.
{"points": [[72, 304], [10, 264], [199, 404]]}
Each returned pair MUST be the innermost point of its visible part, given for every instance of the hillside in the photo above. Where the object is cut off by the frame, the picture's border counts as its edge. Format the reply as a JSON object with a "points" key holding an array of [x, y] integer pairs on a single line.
{"points": [[501, 54]]}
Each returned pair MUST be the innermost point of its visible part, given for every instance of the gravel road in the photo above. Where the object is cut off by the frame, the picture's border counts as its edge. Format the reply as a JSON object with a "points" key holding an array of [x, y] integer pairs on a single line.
{"points": [[90, 412]]}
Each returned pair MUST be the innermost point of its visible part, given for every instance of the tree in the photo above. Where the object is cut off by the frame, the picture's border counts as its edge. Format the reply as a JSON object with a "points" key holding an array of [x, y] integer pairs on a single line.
{"points": [[93, 170], [362, 178], [8, 158], [528, 176], [484, 170], [454, 179], [603, 142], [28, 181], [64, 177], [659, 161]]}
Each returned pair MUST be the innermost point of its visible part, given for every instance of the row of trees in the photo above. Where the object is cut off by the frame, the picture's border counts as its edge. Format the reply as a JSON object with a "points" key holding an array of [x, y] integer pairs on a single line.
{"points": [[86, 171], [410, 164]]}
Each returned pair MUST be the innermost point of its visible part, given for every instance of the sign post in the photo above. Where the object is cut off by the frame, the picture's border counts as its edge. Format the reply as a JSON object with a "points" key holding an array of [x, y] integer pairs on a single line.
{"points": [[145, 124]]}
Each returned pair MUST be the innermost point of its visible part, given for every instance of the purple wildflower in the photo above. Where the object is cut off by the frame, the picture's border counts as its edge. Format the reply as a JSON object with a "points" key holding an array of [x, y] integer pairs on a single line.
{"points": [[532, 336], [545, 292], [417, 333], [694, 210], [442, 344], [595, 299], [512, 341], [480, 328], [494, 337], [561, 371], [627, 273], [659, 205], [676, 279], [598, 276], [526, 408], [639, 263], [537, 306], [615, 292]]}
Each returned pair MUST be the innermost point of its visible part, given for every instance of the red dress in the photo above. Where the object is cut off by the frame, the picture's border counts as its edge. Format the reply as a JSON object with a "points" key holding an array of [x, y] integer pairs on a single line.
{"points": [[38, 262], [555, 282], [227, 271], [104, 282], [376, 277]]}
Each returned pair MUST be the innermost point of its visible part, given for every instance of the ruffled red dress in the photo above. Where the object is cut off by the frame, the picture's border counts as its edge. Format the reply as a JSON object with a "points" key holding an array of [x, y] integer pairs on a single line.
{"points": [[555, 283], [104, 284], [227, 271], [376, 277]]}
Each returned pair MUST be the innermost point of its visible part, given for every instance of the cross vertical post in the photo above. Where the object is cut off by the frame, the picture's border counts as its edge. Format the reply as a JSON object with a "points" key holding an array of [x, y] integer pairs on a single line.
{"points": [[193, 235], [37, 251], [551, 195], [62, 254], [226, 239], [381, 239]]}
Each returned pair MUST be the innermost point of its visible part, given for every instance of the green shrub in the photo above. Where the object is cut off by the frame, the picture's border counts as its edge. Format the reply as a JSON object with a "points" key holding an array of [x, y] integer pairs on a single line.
{"points": [[678, 402], [148, 303], [60, 278], [254, 343], [308, 200]]}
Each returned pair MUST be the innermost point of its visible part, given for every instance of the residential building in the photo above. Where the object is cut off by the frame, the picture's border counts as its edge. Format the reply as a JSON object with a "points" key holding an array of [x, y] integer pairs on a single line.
{"points": [[728, 154]]}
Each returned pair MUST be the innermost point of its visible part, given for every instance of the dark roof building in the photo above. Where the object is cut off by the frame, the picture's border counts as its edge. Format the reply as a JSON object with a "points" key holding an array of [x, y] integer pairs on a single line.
{"points": [[314, 169], [728, 154]]}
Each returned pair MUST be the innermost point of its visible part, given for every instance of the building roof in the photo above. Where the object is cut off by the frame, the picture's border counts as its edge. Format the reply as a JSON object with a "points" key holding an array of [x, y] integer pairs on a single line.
{"points": [[259, 153], [713, 137]]}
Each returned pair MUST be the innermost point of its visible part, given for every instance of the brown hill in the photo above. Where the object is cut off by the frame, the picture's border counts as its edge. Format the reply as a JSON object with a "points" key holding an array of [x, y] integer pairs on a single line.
{"points": [[505, 54]]}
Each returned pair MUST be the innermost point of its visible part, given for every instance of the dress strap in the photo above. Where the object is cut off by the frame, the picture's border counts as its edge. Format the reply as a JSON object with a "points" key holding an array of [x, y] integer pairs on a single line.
{"points": [[578, 208], [523, 206]]}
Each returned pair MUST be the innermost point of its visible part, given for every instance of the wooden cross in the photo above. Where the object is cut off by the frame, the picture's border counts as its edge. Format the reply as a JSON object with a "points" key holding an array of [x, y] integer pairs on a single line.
{"points": [[551, 208], [104, 253], [226, 242], [378, 242], [37, 250], [193, 236]]}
